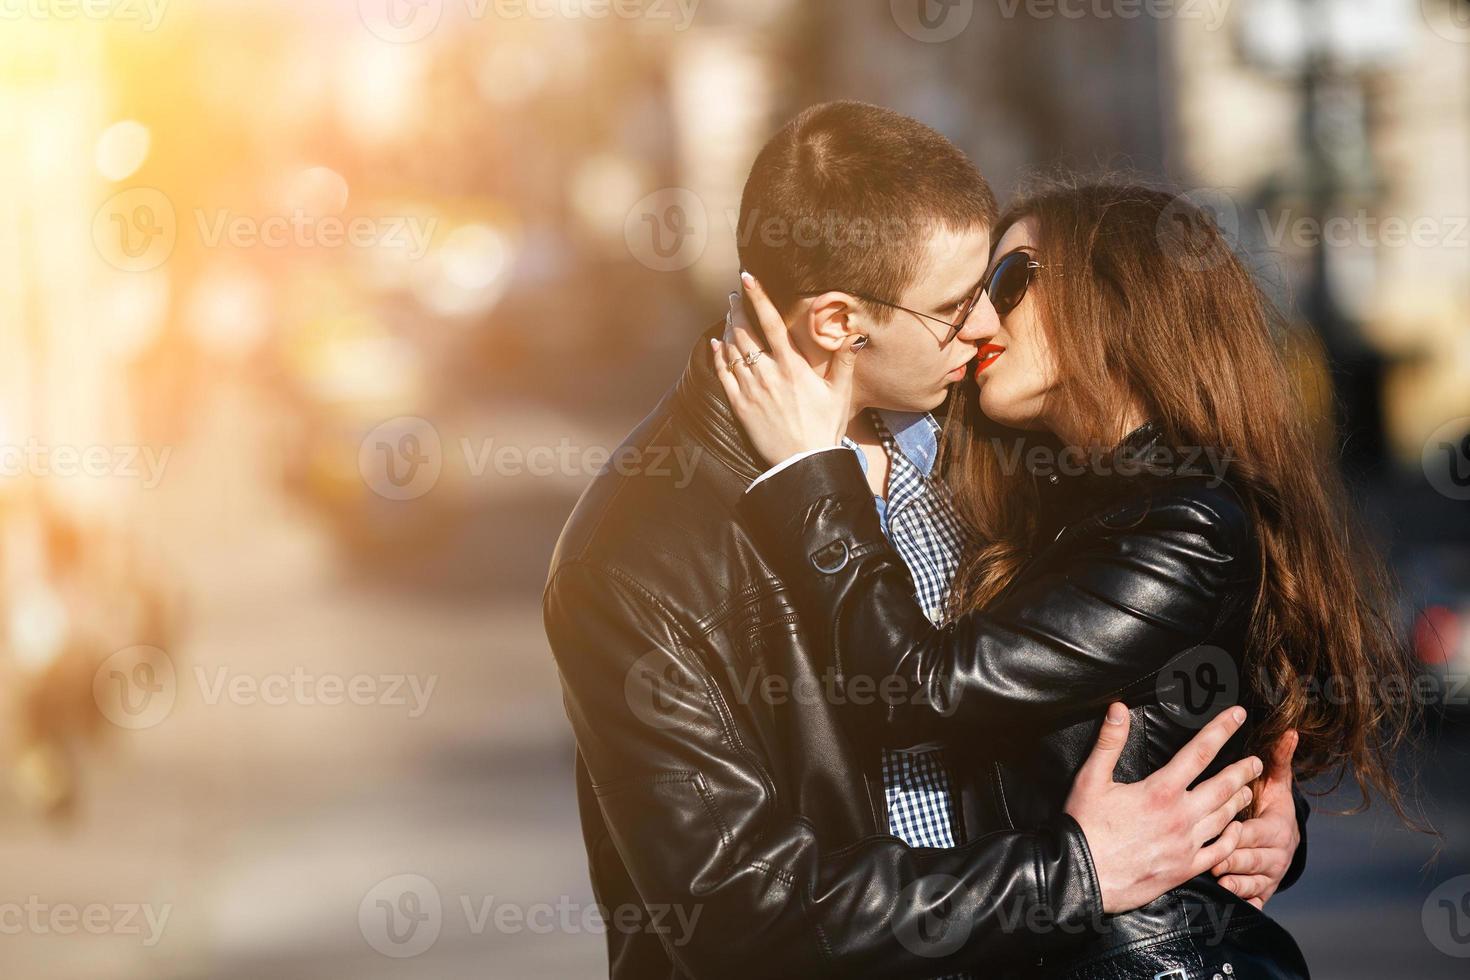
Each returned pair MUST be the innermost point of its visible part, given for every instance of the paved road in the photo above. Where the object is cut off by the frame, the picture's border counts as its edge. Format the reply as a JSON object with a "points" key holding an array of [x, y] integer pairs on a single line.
{"points": [[1359, 912]]}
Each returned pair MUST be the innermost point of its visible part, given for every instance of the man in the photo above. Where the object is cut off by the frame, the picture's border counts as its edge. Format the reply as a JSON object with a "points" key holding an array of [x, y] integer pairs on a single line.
{"points": [[716, 784]]}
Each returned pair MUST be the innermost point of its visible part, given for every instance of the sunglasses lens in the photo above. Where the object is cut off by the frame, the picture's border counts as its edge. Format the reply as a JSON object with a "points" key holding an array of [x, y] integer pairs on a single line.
{"points": [[1008, 285]]}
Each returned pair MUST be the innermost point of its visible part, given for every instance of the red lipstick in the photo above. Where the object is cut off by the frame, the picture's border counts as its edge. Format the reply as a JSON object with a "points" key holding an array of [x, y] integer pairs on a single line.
{"points": [[986, 356]]}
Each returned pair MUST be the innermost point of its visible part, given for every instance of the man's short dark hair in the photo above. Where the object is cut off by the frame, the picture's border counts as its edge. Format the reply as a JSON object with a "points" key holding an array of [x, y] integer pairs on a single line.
{"points": [[846, 195]]}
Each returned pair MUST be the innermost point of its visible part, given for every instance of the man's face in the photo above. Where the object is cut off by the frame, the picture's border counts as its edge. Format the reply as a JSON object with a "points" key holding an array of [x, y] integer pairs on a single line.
{"points": [[906, 365]]}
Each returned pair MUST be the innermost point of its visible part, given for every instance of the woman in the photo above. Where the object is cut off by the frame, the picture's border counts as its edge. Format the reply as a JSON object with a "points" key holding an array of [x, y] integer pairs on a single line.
{"points": [[1159, 526]]}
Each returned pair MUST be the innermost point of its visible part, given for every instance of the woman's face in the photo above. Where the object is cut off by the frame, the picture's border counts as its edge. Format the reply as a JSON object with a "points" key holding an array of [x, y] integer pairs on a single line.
{"points": [[1016, 369]]}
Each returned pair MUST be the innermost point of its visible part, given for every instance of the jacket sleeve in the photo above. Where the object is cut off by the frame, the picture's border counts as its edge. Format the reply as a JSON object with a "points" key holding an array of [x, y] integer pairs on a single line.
{"points": [[701, 827], [1053, 650]]}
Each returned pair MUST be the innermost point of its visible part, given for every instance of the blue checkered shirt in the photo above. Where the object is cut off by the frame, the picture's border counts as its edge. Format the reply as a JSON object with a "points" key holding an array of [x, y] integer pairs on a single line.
{"points": [[920, 521]]}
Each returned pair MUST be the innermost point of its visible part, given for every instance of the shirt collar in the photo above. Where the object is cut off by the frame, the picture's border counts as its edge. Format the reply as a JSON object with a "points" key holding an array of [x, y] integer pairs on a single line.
{"points": [[916, 434], [913, 434]]}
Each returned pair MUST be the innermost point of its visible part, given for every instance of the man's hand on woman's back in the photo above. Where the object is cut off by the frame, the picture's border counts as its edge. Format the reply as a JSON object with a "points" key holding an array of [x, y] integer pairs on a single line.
{"points": [[1154, 835], [1269, 840]]}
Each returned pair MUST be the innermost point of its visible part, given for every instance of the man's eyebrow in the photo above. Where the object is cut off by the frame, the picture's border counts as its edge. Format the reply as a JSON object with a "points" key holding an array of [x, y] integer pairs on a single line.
{"points": [[956, 301]]}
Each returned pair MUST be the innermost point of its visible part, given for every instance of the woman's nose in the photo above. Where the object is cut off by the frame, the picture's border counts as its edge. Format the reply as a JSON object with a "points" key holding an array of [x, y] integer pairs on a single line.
{"points": [[983, 322]]}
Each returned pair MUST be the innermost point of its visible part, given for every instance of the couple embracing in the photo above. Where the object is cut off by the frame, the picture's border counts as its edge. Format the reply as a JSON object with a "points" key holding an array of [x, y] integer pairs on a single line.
{"points": [[1030, 500]]}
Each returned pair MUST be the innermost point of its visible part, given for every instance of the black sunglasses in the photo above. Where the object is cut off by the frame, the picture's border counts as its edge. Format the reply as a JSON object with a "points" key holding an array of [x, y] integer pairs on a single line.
{"points": [[1009, 279], [1006, 283]]}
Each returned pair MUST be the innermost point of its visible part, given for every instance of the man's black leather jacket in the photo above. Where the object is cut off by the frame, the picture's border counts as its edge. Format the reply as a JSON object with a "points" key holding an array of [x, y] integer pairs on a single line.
{"points": [[715, 775], [1140, 590]]}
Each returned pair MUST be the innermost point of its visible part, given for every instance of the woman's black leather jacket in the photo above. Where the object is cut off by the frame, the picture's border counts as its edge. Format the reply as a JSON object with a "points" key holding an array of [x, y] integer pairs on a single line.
{"points": [[1140, 591]]}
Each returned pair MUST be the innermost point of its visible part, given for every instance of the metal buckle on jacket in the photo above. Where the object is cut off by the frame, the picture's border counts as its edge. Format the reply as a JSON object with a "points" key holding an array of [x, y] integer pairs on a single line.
{"points": [[831, 558]]}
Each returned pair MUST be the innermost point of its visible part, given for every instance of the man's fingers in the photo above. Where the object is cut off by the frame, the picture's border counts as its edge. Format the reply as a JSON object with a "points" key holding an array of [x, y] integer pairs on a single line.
{"points": [[1246, 861], [1196, 756], [1247, 886], [1103, 761], [1276, 793], [1280, 759], [1277, 803], [1261, 832], [1212, 825], [1250, 844], [778, 338], [1210, 856], [1225, 784]]}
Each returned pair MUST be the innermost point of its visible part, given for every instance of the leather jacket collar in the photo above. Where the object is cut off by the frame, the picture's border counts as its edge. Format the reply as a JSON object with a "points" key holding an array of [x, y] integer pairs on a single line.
{"points": [[701, 405], [1070, 487]]}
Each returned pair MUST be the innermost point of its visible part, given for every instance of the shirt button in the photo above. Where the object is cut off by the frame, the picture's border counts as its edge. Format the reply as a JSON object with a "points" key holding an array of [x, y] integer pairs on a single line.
{"points": [[1052, 479]]}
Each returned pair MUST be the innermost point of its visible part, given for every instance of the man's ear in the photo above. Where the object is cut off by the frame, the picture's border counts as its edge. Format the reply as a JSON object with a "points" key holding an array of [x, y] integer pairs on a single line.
{"points": [[827, 320]]}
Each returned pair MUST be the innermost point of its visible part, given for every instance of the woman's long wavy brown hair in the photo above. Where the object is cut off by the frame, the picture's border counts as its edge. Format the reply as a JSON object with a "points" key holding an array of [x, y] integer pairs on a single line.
{"points": [[1144, 302]]}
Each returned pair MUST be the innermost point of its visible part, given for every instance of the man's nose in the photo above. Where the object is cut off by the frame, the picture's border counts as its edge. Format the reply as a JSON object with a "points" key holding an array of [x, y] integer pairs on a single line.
{"points": [[983, 322]]}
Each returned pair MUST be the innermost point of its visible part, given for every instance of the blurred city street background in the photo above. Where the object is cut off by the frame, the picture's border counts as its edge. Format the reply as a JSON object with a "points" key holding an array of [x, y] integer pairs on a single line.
{"points": [[317, 317]]}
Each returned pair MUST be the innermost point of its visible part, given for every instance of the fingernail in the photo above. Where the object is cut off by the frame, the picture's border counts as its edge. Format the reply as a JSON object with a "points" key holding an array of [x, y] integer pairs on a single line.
{"points": [[1258, 766], [860, 343], [1115, 714], [747, 278], [1238, 714]]}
